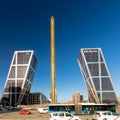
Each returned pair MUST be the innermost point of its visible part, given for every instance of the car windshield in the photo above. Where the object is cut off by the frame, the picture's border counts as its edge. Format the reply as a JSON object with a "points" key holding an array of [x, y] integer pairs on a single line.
{"points": [[61, 114], [68, 115]]}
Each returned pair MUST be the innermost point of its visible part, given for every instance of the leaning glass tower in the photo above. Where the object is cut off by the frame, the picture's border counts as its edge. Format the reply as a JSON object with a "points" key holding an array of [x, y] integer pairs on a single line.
{"points": [[20, 77], [96, 76]]}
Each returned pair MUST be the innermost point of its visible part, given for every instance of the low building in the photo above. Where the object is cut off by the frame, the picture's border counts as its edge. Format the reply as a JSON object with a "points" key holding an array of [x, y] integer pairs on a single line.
{"points": [[77, 98], [37, 98]]}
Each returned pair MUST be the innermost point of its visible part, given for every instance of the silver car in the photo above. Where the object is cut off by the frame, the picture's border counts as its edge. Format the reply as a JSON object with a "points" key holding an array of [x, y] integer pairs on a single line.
{"points": [[105, 115]]}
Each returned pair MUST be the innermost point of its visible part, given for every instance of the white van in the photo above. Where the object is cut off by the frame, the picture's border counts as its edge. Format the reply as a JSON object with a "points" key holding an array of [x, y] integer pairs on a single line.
{"points": [[43, 110]]}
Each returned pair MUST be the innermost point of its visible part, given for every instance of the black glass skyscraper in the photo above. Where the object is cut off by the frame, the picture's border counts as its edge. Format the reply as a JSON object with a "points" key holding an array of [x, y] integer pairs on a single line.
{"points": [[20, 77], [96, 76]]}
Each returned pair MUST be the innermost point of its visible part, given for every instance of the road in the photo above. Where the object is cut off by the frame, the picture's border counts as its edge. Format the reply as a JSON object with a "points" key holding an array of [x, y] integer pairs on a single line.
{"points": [[34, 116]]}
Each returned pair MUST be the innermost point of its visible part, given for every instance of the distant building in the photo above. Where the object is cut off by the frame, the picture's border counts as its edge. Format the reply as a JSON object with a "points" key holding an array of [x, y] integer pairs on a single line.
{"points": [[96, 76], [20, 77], [119, 100], [37, 98], [77, 98]]}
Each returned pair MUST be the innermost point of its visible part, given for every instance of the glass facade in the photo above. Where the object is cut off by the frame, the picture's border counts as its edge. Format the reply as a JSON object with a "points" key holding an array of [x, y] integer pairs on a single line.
{"points": [[37, 98], [20, 77], [96, 76]]}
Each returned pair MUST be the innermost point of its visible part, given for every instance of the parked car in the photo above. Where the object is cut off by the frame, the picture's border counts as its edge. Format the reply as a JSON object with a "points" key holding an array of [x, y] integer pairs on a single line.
{"points": [[43, 110], [105, 115], [62, 116], [1, 109], [10, 108], [23, 111]]}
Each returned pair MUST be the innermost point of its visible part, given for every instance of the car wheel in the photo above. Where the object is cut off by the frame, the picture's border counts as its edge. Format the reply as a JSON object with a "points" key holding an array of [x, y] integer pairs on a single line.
{"points": [[105, 119]]}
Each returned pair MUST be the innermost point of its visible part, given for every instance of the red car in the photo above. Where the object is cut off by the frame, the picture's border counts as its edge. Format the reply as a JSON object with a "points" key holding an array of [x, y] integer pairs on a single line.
{"points": [[24, 112]]}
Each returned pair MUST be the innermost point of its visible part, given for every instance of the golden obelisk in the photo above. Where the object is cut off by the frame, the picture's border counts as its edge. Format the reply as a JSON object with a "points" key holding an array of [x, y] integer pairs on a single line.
{"points": [[53, 66]]}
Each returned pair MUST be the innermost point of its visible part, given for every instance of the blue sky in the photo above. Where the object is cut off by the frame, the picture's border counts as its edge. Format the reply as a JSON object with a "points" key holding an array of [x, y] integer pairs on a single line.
{"points": [[25, 25]]}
